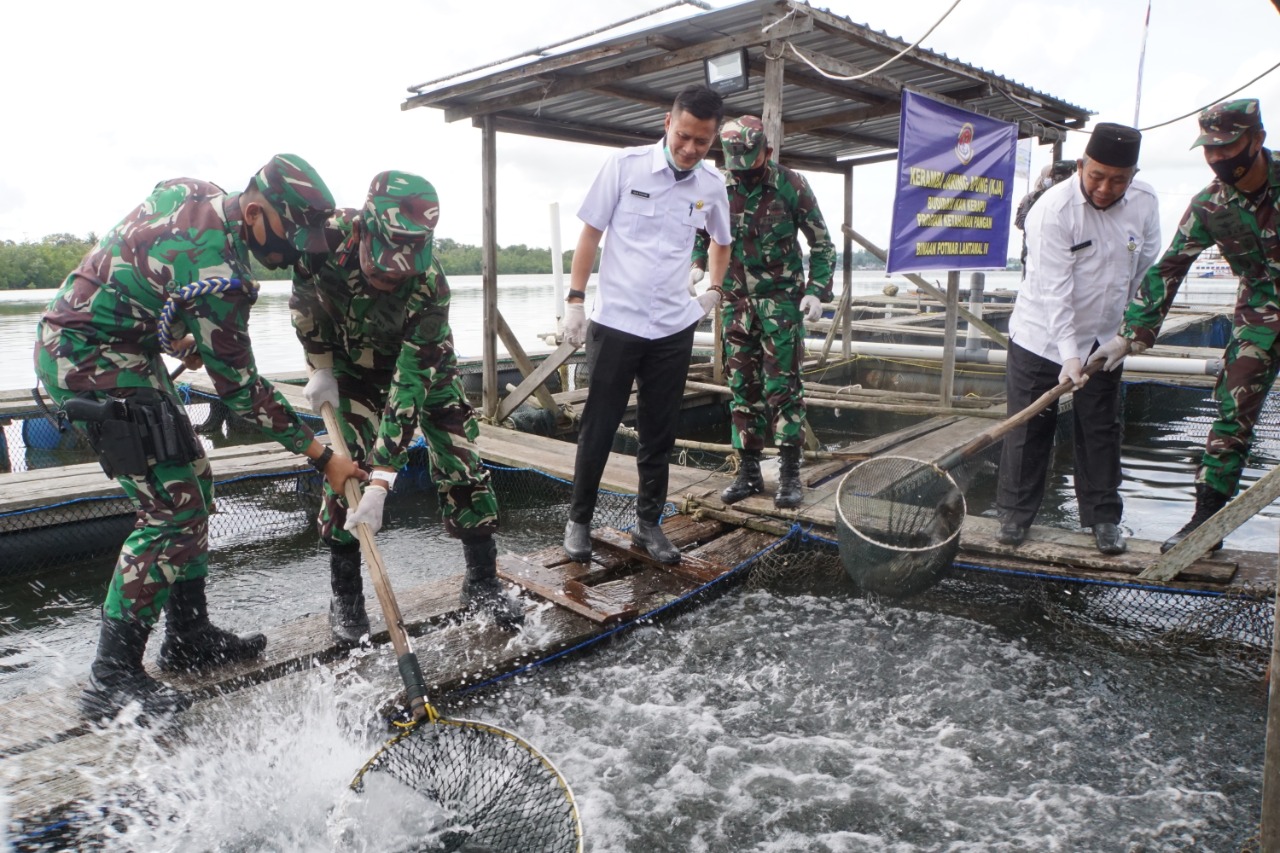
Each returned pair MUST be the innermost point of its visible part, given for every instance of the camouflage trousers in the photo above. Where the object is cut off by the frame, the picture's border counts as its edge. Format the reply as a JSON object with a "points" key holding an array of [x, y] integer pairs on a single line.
{"points": [[763, 351], [1249, 366], [467, 502], [169, 542]]}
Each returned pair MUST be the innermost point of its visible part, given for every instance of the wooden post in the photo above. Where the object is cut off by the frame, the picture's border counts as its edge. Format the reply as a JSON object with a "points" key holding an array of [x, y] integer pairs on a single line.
{"points": [[489, 265], [1271, 763], [772, 114], [846, 319], [947, 392]]}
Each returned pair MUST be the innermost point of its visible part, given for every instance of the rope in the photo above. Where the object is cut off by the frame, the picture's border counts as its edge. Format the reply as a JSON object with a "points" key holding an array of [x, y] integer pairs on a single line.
{"points": [[882, 65], [204, 287]]}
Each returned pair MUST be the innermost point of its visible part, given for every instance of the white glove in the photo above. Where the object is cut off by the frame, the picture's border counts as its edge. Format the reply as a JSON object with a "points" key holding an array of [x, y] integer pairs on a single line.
{"points": [[811, 306], [695, 276], [1113, 352], [1071, 371], [369, 511], [708, 300], [575, 323], [321, 388]]}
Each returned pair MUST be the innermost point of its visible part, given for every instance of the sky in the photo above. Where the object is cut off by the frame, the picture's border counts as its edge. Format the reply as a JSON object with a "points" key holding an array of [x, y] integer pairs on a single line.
{"points": [[101, 101]]}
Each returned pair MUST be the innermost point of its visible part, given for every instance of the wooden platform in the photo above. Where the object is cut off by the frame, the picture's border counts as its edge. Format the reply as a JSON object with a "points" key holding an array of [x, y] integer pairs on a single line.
{"points": [[42, 737]]}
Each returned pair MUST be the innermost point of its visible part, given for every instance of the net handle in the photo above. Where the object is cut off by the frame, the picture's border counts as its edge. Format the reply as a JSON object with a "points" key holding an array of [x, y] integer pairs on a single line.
{"points": [[410, 672], [985, 439]]}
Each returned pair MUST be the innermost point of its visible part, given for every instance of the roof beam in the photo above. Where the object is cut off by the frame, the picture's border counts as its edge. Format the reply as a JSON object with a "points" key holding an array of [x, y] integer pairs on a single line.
{"points": [[527, 70], [559, 85]]}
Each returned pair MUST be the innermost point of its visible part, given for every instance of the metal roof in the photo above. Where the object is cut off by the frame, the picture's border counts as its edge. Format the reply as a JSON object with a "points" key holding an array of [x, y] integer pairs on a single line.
{"points": [[615, 91]]}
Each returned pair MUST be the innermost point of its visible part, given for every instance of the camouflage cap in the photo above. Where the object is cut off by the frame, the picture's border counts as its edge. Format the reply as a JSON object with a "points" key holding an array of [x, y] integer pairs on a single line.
{"points": [[1222, 124], [400, 215], [1061, 169], [293, 187], [742, 140]]}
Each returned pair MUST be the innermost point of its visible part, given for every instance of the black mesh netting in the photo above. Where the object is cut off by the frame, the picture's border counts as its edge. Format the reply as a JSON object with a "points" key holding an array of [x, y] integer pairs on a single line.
{"points": [[899, 523], [1236, 623], [496, 791]]}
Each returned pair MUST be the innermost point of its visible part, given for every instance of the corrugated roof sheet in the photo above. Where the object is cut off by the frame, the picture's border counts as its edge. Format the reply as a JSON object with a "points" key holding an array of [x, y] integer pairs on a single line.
{"points": [[615, 90]]}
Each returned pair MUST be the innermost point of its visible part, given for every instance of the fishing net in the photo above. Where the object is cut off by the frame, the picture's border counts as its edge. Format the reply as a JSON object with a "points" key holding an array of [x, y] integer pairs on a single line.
{"points": [[497, 792], [899, 523]]}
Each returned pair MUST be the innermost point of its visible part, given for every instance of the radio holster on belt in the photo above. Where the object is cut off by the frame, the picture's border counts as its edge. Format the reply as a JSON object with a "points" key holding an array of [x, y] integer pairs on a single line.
{"points": [[126, 432]]}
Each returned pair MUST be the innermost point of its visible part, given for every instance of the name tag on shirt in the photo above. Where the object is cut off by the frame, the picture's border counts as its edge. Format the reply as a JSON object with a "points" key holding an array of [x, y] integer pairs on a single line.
{"points": [[640, 193], [1078, 246]]}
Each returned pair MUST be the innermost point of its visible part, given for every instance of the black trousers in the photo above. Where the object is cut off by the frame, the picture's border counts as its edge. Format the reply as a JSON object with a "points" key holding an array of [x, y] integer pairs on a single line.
{"points": [[659, 369], [1027, 450]]}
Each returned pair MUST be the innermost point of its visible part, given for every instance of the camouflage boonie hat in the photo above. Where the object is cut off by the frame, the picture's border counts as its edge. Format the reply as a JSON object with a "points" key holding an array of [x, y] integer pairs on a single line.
{"points": [[293, 187], [400, 215], [1222, 124], [742, 140]]}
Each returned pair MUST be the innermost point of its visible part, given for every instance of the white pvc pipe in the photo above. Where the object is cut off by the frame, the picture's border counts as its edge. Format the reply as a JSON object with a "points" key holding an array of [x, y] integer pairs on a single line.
{"points": [[1136, 363], [557, 260]]}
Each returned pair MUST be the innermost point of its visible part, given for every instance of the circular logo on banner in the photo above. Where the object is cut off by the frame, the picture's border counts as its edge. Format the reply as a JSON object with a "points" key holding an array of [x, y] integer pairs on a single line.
{"points": [[964, 144]]}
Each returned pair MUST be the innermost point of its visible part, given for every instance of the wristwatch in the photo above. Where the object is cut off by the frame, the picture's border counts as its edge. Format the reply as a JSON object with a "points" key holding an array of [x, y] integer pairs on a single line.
{"points": [[322, 461], [579, 294]]}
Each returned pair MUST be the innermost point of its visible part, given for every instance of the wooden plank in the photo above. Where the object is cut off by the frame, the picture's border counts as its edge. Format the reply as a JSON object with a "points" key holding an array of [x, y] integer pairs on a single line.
{"points": [[534, 381], [1065, 548], [527, 369], [691, 568], [1199, 541], [572, 594]]}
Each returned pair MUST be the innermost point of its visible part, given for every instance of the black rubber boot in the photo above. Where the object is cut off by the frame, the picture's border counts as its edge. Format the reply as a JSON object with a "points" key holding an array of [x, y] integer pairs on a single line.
{"points": [[191, 641], [790, 492], [577, 541], [117, 678], [649, 536], [749, 481], [1208, 501], [348, 619], [481, 590]]}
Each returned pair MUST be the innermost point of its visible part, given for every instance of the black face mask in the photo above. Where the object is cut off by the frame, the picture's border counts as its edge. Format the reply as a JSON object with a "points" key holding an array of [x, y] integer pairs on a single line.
{"points": [[274, 245], [751, 177], [1231, 170]]}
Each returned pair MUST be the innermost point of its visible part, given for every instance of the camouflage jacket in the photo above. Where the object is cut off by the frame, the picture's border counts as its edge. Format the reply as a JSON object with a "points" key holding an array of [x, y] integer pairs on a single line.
{"points": [[765, 219], [103, 320], [404, 334], [1245, 230]]}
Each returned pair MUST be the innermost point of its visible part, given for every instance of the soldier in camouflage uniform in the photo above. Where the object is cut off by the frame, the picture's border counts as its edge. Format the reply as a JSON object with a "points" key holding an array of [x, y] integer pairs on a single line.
{"points": [[1240, 213], [767, 299], [372, 314], [174, 276]]}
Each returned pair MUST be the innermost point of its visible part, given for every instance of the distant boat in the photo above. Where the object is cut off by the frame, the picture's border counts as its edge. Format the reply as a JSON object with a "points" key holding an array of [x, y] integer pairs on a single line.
{"points": [[1210, 265]]}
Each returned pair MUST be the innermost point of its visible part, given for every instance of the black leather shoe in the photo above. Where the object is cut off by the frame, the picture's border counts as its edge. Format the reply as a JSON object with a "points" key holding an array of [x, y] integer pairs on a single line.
{"points": [[1011, 534], [577, 542], [649, 536], [1109, 538]]}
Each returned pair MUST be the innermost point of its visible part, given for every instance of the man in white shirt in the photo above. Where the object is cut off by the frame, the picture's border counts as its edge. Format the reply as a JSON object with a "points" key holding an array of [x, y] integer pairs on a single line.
{"points": [[652, 200], [1090, 239]]}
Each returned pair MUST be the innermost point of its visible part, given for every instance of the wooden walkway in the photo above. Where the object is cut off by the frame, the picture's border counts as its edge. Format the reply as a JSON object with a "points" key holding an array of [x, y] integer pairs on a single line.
{"points": [[42, 738], [41, 734]]}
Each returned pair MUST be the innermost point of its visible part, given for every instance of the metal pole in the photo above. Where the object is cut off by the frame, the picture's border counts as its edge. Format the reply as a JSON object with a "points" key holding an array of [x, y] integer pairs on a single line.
{"points": [[949, 338]]}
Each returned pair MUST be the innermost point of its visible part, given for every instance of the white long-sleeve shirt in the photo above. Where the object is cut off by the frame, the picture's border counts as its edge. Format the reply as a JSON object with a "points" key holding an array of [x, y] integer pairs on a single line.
{"points": [[1083, 267]]}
